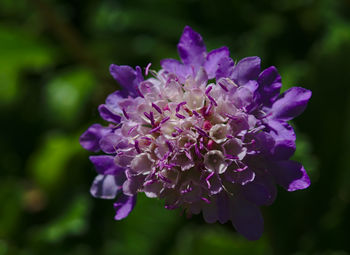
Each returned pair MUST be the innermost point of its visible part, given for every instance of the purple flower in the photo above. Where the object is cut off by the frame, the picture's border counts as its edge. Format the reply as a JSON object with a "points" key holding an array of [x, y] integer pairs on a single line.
{"points": [[203, 134]]}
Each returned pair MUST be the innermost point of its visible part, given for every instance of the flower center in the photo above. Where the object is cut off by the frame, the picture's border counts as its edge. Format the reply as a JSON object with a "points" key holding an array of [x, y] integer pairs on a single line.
{"points": [[185, 137]]}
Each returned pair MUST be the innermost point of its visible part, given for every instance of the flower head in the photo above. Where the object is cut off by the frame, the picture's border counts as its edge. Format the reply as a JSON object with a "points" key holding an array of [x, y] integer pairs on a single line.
{"points": [[204, 134]]}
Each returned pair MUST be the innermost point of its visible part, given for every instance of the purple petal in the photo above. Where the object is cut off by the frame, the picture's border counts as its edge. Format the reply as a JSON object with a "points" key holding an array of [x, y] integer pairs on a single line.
{"points": [[215, 184], [112, 101], [191, 48], [123, 206], [262, 191], [190, 192], [105, 165], [225, 68], [174, 66], [89, 140], [241, 178], [133, 184], [107, 143], [291, 175], [269, 85], [223, 206], [195, 208], [153, 189], [265, 142], [284, 139], [139, 75], [246, 218], [111, 142], [108, 115], [243, 97], [130, 188], [239, 122], [183, 161], [246, 69], [123, 160], [291, 103], [127, 77], [210, 213], [234, 147], [252, 85], [201, 77], [213, 59], [105, 186]]}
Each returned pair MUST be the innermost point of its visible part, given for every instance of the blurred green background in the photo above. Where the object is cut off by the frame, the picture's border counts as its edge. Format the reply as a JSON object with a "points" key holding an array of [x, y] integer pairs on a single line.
{"points": [[54, 58]]}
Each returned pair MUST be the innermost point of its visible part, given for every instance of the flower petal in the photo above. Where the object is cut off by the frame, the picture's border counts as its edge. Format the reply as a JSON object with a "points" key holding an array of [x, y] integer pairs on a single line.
{"points": [[183, 161], [108, 115], [105, 165], [213, 59], [174, 66], [210, 213], [284, 139], [223, 206], [290, 104], [127, 77], [133, 184], [243, 97], [266, 142], [123, 206], [246, 69], [191, 193], [225, 68], [269, 85], [89, 140], [246, 218], [142, 163], [191, 48], [291, 175], [153, 190], [213, 184], [112, 101], [241, 178], [234, 147], [111, 142], [262, 191], [201, 78], [105, 186]]}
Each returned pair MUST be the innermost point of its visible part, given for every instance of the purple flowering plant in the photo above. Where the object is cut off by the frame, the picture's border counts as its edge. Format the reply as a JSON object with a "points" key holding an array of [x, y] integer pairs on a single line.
{"points": [[204, 134]]}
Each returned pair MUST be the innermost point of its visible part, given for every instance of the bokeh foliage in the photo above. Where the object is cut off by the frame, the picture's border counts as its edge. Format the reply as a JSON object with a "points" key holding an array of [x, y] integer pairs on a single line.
{"points": [[54, 58]]}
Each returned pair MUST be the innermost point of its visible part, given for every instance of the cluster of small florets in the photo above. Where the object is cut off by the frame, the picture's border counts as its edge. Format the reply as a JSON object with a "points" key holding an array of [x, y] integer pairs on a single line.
{"points": [[184, 141], [204, 135]]}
